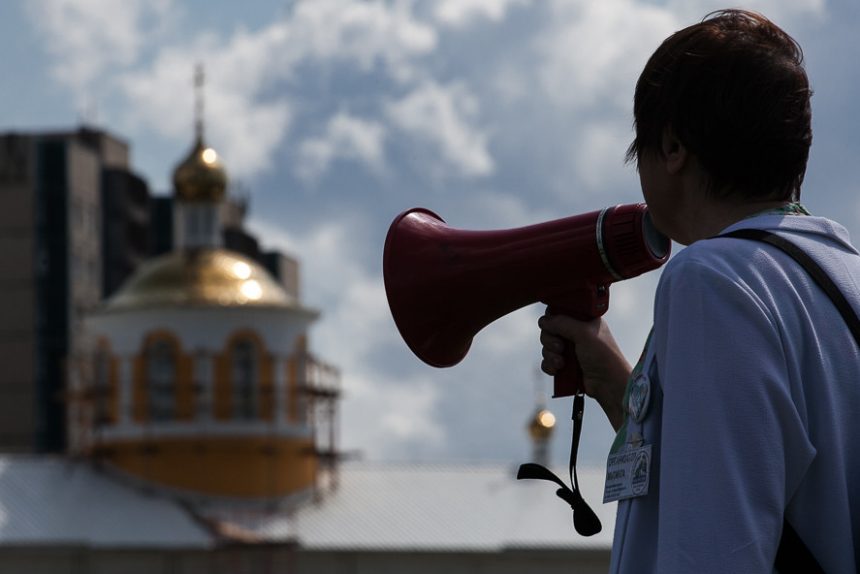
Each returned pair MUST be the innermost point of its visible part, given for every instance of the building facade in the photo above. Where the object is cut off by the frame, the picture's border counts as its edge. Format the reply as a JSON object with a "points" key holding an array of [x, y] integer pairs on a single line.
{"points": [[51, 261]]}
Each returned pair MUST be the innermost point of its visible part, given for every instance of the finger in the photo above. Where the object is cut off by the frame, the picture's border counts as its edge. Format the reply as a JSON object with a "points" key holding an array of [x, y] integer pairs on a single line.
{"points": [[567, 327], [551, 342], [549, 367], [551, 355]]}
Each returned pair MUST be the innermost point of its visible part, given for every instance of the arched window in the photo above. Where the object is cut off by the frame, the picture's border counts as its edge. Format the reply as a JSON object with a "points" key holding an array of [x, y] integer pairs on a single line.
{"points": [[161, 378], [245, 369]]}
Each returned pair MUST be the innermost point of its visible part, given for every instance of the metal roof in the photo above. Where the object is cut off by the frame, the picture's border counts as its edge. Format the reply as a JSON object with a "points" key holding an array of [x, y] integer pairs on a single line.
{"points": [[376, 507], [455, 507], [46, 500]]}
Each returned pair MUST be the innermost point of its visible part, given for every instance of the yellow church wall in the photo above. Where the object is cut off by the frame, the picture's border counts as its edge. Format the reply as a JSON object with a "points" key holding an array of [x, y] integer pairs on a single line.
{"points": [[224, 466], [262, 466]]}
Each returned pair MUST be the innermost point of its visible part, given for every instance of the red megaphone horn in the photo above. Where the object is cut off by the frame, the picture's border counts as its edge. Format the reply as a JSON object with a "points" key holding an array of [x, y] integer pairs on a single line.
{"points": [[444, 284]]}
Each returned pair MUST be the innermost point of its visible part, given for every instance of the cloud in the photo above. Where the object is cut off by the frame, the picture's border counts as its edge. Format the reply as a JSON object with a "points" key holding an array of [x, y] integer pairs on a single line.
{"points": [[345, 137], [441, 116], [250, 74], [597, 150], [87, 37], [461, 13], [361, 32], [593, 52], [391, 418]]}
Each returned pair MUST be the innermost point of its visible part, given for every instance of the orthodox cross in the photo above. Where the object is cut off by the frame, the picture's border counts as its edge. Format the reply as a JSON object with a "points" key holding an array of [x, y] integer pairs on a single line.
{"points": [[199, 79]]}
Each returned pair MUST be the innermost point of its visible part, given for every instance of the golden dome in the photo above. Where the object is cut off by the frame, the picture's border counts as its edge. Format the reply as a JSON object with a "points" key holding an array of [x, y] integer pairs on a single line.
{"points": [[541, 424], [201, 176], [200, 278]]}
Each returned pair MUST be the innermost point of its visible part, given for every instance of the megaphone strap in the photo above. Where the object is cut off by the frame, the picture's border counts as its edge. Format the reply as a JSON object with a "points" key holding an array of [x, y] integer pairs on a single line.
{"points": [[585, 521]]}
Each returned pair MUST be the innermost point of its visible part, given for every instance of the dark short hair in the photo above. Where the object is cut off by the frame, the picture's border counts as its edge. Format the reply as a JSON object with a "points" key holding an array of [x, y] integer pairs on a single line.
{"points": [[734, 91]]}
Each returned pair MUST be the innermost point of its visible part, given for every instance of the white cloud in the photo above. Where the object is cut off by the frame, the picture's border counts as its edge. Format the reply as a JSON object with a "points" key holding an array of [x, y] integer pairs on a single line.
{"points": [[594, 51], [86, 37], [460, 13], [598, 155], [242, 73], [442, 116], [388, 419], [361, 32], [589, 58], [245, 74], [345, 137]]}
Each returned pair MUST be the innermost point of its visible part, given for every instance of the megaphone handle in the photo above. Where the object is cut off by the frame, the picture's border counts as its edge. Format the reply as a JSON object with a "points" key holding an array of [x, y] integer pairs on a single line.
{"points": [[594, 301], [568, 381]]}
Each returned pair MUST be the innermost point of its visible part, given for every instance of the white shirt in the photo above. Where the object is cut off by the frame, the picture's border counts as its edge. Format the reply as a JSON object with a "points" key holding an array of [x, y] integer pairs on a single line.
{"points": [[754, 408]]}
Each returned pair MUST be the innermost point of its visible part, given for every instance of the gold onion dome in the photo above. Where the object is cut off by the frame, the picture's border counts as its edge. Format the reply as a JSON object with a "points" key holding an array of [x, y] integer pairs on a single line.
{"points": [[201, 176], [200, 278], [541, 424]]}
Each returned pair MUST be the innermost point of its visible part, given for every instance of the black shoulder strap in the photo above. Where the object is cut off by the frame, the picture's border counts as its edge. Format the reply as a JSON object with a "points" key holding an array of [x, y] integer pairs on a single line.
{"points": [[793, 555]]}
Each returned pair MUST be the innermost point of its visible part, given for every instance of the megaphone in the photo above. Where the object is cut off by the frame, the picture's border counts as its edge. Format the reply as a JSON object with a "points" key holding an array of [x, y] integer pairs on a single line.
{"points": [[444, 285]]}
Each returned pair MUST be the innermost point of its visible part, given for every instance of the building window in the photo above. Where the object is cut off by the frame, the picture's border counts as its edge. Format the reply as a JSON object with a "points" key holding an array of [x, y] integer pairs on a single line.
{"points": [[161, 378], [203, 385], [200, 225], [192, 225], [245, 367]]}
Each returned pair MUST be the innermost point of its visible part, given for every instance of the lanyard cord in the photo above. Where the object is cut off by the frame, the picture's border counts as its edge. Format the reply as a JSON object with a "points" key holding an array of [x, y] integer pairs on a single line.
{"points": [[585, 521]]}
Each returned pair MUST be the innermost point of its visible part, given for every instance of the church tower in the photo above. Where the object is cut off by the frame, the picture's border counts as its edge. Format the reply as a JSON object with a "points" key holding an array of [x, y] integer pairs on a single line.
{"points": [[199, 378]]}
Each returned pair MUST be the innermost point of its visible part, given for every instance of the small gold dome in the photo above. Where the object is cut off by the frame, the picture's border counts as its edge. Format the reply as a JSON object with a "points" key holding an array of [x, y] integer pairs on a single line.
{"points": [[541, 424], [200, 278], [201, 176]]}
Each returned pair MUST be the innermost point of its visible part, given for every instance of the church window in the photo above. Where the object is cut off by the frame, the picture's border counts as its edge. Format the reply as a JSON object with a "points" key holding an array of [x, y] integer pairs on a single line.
{"points": [[245, 376], [161, 375]]}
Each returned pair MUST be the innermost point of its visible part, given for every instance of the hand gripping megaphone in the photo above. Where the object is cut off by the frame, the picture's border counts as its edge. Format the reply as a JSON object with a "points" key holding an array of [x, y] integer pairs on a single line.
{"points": [[444, 284]]}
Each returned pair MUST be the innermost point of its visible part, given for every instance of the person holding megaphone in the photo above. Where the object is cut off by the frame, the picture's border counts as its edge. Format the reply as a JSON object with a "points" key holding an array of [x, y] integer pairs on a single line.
{"points": [[736, 447]]}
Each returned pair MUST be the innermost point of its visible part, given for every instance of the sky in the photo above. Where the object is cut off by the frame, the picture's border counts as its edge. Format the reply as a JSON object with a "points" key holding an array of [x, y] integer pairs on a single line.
{"points": [[334, 116]]}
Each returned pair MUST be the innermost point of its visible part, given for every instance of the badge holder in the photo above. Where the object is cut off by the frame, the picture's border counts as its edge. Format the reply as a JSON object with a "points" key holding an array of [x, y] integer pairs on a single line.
{"points": [[585, 521]]}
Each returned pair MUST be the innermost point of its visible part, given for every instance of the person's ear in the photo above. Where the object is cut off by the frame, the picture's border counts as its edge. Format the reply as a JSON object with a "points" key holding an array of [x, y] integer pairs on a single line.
{"points": [[674, 151]]}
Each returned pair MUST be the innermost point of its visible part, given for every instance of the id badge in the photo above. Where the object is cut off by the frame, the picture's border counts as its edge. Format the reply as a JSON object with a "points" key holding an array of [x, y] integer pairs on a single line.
{"points": [[628, 474]]}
